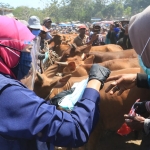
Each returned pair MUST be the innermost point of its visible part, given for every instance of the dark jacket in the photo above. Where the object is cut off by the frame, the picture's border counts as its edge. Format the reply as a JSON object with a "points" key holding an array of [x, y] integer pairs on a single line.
{"points": [[112, 37], [27, 121]]}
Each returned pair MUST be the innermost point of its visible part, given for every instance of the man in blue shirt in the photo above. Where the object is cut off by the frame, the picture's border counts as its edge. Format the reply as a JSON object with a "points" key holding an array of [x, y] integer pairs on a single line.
{"points": [[27, 122]]}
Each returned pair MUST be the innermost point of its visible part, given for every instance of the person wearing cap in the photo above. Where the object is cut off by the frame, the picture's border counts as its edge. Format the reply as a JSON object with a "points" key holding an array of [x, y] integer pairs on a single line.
{"points": [[99, 39], [27, 121], [141, 44], [43, 38], [47, 23], [35, 28], [34, 25], [82, 38]]}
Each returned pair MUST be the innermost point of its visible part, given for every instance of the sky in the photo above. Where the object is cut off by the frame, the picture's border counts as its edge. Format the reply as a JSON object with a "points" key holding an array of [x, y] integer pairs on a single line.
{"points": [[29, 3]]}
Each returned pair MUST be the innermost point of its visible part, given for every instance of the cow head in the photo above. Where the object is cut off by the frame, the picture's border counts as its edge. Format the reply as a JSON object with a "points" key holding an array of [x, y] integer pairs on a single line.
{"points": [[79, 68], [75, 51], [45, 82], [55, 41]]}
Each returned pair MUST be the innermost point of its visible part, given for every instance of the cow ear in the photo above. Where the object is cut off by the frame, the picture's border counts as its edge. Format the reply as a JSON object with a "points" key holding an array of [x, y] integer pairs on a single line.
{"points": [[51, 45], [62, 81], [89, 60], [51, 71], [72, 66], [69, 68]]}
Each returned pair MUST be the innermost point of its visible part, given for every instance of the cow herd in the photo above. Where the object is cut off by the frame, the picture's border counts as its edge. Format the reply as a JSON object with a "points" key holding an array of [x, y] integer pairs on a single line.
{"points": [[74, 65]]}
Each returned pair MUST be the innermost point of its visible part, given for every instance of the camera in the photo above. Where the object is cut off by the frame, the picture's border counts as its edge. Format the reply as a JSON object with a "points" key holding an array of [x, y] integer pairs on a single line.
{"points": [[96, 28]]}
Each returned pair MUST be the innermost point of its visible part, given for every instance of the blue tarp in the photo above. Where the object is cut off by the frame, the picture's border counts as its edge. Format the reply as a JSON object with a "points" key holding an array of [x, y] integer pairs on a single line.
{"points": [[65, 25]]}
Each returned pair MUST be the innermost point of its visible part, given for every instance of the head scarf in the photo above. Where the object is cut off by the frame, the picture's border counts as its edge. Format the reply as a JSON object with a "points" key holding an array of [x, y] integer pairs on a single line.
{"points": [[139, 33], [13, 34]]}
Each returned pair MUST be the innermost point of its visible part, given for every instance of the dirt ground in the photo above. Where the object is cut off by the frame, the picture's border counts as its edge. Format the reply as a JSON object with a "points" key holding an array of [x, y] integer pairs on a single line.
{"points": [[117, 142]]}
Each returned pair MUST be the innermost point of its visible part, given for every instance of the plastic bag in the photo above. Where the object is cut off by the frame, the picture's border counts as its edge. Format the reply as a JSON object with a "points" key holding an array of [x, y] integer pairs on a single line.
{"points": [[68, 101], [124, 129]]}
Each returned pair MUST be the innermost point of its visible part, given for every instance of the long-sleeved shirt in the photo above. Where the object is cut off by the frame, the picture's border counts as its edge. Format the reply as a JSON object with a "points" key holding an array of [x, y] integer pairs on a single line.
{"points": [[26, 118], [143, 81]]}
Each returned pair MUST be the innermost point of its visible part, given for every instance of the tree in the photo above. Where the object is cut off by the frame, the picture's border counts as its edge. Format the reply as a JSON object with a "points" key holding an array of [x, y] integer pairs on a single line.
{"points": [[127, 12], [5, 5], [82, 10]]}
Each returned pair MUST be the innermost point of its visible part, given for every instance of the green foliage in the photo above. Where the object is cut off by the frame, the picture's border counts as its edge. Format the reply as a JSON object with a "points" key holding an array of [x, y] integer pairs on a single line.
{"points": [[83, 10]]}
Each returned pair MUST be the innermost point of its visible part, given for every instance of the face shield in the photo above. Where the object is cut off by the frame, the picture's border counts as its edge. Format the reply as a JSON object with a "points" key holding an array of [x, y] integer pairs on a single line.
{"points": [[29, 79]]}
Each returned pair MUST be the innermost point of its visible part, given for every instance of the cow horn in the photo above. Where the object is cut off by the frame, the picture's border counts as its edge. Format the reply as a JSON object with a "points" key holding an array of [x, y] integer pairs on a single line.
{"points": [[83, 56], [39, 77], [62, 63]]}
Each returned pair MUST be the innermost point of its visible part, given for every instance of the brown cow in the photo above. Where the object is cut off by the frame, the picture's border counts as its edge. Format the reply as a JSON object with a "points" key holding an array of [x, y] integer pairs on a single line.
{"points": [[107, 48], [117, 64], [78, 59], [112, 107], [57, 40], [47, 81], [81, 68], [70, 49], [103, 56], [67, 38], [76, 77]]}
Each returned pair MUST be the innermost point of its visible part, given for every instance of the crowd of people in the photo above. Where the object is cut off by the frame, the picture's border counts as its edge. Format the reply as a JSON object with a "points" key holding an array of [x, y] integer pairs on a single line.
{"points": [[28, 122], [114, 33]]}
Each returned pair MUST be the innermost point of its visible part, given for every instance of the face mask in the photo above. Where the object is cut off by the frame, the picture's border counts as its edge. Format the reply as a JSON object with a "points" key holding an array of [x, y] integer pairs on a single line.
{"points": [[145, 69], [70, 100], [36, 32], [24, 65]]}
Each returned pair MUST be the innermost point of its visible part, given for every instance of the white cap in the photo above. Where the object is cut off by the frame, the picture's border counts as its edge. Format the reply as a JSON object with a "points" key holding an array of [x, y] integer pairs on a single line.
{"points": [[34, 23]]}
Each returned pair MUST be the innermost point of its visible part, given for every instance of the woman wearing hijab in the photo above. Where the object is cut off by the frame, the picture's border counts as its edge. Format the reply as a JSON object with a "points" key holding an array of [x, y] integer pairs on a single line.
{"points": [[26, 120], [137, 25]]}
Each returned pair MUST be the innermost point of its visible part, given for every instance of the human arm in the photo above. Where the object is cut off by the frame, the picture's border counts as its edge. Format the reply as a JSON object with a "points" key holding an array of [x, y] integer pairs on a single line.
{"points": [[48, 36], [127, 81], [25, 115], [135, 122], [121, 83], [138, 123], [92, 39]]}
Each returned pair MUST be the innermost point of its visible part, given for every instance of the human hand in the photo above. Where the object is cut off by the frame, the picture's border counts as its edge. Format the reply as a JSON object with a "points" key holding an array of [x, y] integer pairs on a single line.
{"points": [[94, 37], [134, 122], [140, 107], [121, 83], [120, 24], [99, 73]]}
